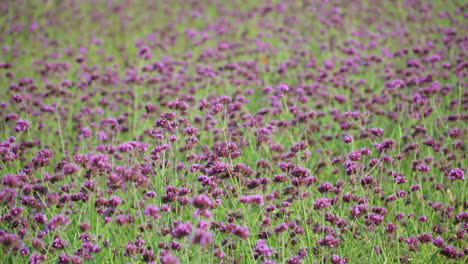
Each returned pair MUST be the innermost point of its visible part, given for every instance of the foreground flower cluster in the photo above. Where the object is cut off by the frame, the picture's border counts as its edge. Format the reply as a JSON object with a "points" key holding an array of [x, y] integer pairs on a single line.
{"points": [[169, 132]]}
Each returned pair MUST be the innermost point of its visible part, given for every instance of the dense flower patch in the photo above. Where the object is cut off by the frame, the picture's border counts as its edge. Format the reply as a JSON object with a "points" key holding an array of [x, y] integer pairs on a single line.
{"points": [[141, 131]]}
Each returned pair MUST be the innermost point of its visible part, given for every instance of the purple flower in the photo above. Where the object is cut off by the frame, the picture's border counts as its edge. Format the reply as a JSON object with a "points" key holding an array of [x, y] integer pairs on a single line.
{"points": [[376, 131], [125, 147], [202, 237], [182, 230], [354, 155], [456, 174], [373, 219], [325, 187], [216, 108], [438, 242], [59, 243], [220, 253], [425, 238], [423, 167], [70, 168], [412, 243], [422, 218], [22, 125], [329, 241], [283, 88], [167, 258], [336, 259], [322, 203], [449, 251], [152, 210], [56, 221], [145, 53], [254, 198], [262, 249], [17, 98], [10, 240], [202, 202], [397, 83], [347, 139], [36, 258], [42, 158], [240, 231]]}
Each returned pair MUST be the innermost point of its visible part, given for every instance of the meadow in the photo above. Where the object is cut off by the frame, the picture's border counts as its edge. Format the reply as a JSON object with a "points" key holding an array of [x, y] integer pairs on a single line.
{"points": [[204, 131]]}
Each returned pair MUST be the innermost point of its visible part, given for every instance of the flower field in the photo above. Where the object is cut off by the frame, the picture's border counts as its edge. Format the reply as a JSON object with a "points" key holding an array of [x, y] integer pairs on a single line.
{"points": [[204, 131]]}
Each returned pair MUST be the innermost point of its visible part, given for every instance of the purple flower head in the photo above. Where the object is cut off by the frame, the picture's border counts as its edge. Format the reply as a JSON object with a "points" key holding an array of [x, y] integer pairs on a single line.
{"points": [[145, 53], [438, 242], [269, 261], [423, 167], [455, 133], [456, 174], [216, 108], [42, 158], [329, 241], [254, 198], [202, 237], [240, 231], [182, 230], [322, 203], [449, 251], [17, 98], [336, 259], [22, 125], [283, 88], [202, 202], [365, 151], [373, 219], [325, 187], [10, 240], [152, 210], [167, 258], [378, 132], [59, 243], [347, 139], [422, 218], [354, 155], [295, 259], [262, 249], [220, 253], [36, 258], [267, 89], [397, 83], [425, 238], [56, 221]]}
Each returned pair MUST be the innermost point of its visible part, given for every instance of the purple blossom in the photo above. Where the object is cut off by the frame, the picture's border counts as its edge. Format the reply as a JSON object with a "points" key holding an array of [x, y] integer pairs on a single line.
{"points": [[182, 230], [152, 210], [262, 249], [56, 221], [202, 237], [397, 83], [22, 125], [347, 139], [168, 258], [456, 174], [254, 198], [321, 203], [240, 231]]}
